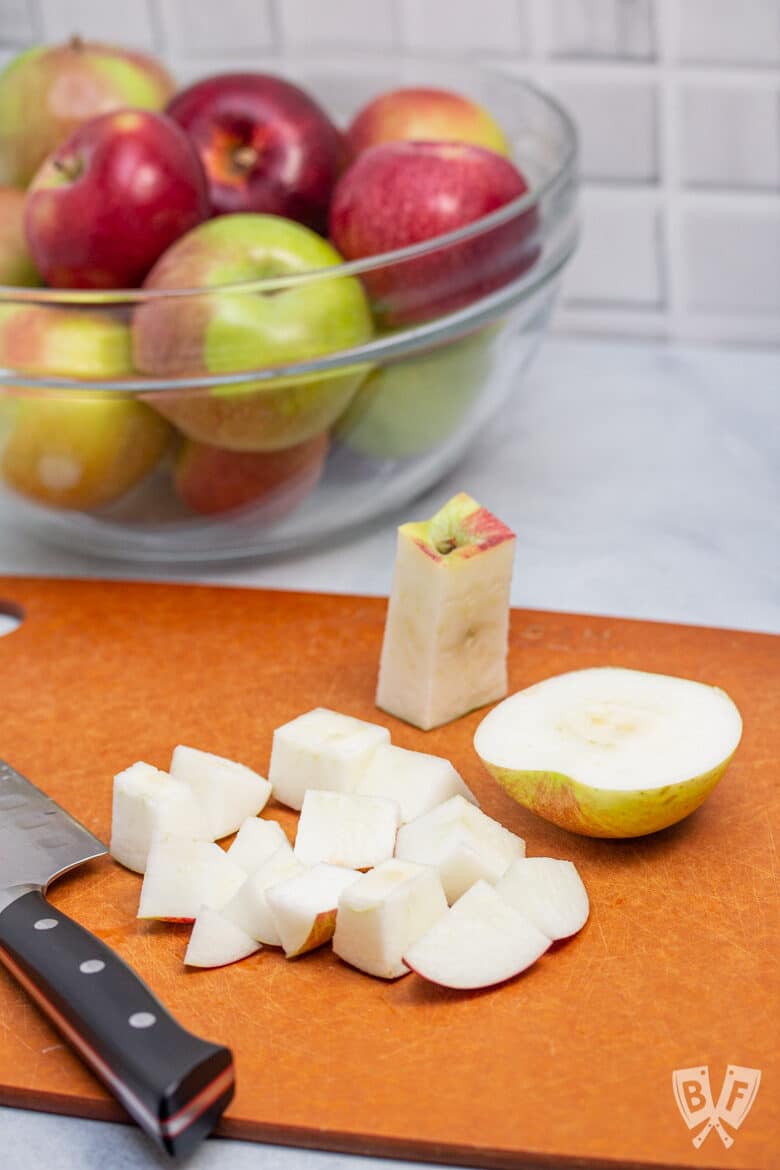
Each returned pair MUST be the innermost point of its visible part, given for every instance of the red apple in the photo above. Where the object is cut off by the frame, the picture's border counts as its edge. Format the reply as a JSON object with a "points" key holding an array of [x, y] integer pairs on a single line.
{"points": [[422, 114], [402, 193], [266, 145], [16, 266], [111, 199], [211, 480]]}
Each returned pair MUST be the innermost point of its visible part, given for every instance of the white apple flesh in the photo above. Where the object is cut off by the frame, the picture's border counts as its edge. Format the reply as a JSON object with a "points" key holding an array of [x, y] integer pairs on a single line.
{"points": [[184, 875], [549, 892], [227, 792], [304, 907], [479, 942], [462, 842], [216, 941], [417, 781], [341, 828], [445, 643], [321, 749], [383, 913], [249, 909], [146, 803], [256, 841]]}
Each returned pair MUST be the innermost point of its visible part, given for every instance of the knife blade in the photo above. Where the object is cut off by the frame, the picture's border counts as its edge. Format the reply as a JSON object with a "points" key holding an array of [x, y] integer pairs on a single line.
{"points": [[174, 1084]]}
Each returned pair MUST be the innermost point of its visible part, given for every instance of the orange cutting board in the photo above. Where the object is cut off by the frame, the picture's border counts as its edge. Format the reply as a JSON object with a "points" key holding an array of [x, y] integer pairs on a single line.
{"points": [[568, 1065]]}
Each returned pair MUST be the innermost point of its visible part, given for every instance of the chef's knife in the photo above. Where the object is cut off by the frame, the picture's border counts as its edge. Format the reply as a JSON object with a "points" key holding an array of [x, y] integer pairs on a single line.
{"points": [[173, 1084]]}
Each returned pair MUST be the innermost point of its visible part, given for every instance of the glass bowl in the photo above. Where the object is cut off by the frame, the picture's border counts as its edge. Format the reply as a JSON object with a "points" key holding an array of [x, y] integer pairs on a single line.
{"points": [[123, 434]]}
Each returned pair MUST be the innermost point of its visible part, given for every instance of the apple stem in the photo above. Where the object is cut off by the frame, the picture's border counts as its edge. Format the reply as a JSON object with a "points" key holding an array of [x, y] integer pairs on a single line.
{"points": [[244, 158], [76, 43], [69, 168]]}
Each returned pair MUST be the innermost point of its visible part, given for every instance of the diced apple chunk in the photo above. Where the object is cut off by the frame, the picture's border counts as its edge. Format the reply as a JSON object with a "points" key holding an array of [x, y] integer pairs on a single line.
{"points": [[304, 907], [416, 780], [481, 940], [321, 749], [462, 842], [227, 792], [148, 802], [249, 909], [549, 892], [183, 875], [339, 828], [256, 841], [383, 913], [215, 941]]}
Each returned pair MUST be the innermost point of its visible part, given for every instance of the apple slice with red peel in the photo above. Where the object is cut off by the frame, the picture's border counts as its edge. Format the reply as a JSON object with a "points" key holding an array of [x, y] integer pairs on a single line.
{"points": [[304, 907], [256, 841], [383, 913], [549, 892], [462, 842], [417, 781], [480, 941], [216, 941], [321, 749], [340, 828], [147, 803], [249, 908], [228, 792], [183, 875]]}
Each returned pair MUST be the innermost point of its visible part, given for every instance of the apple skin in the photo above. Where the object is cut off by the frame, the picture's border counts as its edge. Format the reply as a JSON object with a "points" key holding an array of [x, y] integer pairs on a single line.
{"points": [[266, 145], [226, 331], [402, 193], [69, 450], [424, 114], [16, 266], [112, 198], [49, 90], [211, 480]]}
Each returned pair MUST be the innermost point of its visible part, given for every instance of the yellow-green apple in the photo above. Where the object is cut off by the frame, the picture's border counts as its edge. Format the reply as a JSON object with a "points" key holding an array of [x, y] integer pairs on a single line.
{"points": [[424, 114], [49, 90], [303, 908], [227, 330], [226, 791], [402, 193], [407, 407], [183, 875], [342, 828], [445, 645], [112, 197], [74, 449], [416, 781], [215, 941], [321, 749], [266, 145], [611, 752], [211, 480], [16, 266]]}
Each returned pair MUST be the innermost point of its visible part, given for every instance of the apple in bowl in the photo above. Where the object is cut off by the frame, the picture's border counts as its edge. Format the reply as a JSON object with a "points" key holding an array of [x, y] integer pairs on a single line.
{"points": [[16, 266], [424, 114]]}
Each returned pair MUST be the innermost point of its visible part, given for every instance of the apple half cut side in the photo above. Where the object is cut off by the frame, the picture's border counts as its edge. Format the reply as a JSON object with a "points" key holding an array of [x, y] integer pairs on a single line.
{"points": [[547, 891], [611, 752], [216, 941], [480, 941]]}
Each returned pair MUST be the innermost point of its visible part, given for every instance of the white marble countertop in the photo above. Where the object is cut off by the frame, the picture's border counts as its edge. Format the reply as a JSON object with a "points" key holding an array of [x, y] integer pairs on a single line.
{"points": [[642, 481]]}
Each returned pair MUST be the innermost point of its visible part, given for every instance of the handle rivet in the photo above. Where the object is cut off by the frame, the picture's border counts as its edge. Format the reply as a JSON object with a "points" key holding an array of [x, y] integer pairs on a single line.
{"points": [[142, 1020], [91, 966], [45, 924]]}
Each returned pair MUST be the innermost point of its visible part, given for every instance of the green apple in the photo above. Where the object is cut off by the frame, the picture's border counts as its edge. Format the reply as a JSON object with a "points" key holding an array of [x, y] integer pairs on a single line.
{"points": [[231, 329], [410, 406], [73, 449], [49, 90], [16, 266]]}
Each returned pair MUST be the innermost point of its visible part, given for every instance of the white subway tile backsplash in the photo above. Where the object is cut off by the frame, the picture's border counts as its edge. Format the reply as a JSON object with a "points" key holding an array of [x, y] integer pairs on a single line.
{"points": [[478, 26], [99, 20], [207, 28], [339, 24], [617, 122], [729, 31], [618, 260], [602, 28], [18, 25], [730, 135], [732, 259]]}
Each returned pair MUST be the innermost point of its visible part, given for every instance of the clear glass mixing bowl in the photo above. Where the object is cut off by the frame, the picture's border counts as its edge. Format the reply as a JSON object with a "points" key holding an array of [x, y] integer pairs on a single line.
{"points": [[99, 389]]}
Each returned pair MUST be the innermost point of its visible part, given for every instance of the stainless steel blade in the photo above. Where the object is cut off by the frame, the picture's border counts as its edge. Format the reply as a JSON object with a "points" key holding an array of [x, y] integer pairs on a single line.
{"points": [[39, 841]]}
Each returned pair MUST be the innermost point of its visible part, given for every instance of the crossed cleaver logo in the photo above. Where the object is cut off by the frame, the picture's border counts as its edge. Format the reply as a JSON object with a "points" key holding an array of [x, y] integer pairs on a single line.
{"points": [[693, 1095]]}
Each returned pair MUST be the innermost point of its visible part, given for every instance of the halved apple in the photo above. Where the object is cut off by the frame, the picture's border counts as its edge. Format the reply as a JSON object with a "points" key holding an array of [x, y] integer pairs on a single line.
{"points": [[304, 908], [228, 792], [549, 892], [216, 941], [610, 752], [415, 780], [341, 828], [183, 875]]}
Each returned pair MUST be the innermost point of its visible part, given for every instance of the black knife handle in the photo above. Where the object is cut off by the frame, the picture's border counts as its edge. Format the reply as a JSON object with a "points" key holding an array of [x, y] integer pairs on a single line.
{"points": [[173, 1084]]}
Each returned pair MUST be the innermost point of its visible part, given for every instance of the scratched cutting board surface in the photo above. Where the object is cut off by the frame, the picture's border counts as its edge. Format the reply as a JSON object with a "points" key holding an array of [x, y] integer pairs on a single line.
{"points": [[571, 1063]]}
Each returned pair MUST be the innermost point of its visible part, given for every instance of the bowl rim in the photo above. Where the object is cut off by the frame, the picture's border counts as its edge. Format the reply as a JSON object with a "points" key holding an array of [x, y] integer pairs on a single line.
{"points": [[347, 268]]}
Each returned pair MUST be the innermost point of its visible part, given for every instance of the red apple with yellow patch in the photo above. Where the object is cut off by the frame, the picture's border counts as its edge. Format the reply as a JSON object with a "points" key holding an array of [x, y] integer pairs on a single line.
{"points": [[422, 113]]}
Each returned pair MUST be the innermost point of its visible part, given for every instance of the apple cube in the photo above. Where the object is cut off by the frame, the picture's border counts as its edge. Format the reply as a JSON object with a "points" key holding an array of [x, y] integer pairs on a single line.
{"points": [[383, 913], [344, 829], [249, 909], [304, 907], [147, 802], [462, 842], [227, 792], [481, 940], [415, 780], [216, 941], [321, 749], [183, 875], [549, 892], [255, 842]]}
